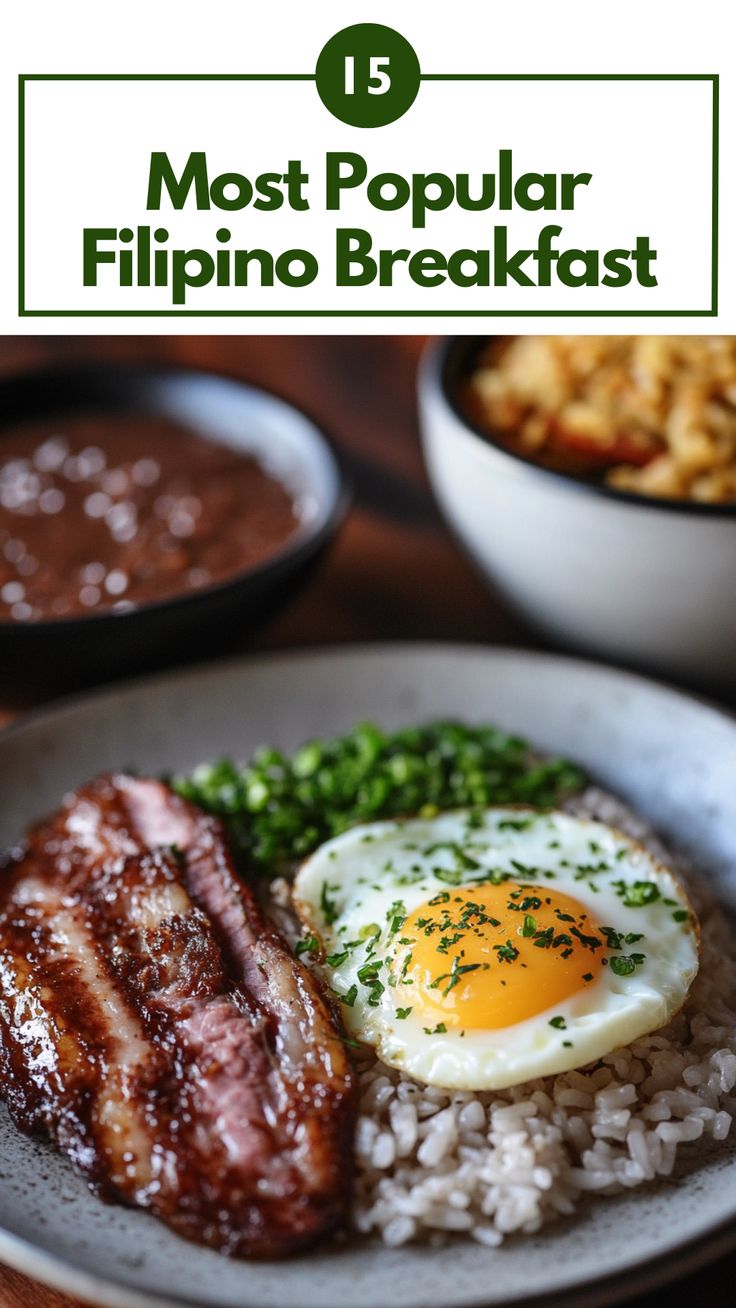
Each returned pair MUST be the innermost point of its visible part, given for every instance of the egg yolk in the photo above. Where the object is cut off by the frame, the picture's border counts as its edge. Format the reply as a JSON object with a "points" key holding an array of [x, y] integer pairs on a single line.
{"points": [[493, 955]]}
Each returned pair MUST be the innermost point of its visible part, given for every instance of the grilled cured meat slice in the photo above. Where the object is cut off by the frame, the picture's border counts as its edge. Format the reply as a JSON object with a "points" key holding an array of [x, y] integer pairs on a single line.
{"points": [[155, 1026]]}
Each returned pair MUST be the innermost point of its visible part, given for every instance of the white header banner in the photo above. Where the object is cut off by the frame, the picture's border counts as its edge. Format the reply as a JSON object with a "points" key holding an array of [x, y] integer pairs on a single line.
{"points": [[486, 197], [326, 168]]}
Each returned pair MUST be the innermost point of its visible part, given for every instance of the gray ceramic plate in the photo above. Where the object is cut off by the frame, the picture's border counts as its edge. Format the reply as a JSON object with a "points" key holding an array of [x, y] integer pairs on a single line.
{"points": [[671, 757]]}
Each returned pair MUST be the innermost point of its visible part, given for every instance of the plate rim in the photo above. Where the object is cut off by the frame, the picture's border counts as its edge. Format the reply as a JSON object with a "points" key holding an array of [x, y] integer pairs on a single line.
{"points": [[60, 704], [647, 1274], [677, 1259]]}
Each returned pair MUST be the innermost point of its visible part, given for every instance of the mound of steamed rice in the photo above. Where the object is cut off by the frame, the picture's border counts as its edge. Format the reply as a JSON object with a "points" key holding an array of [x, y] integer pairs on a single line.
{"points": [[430, 1161]]}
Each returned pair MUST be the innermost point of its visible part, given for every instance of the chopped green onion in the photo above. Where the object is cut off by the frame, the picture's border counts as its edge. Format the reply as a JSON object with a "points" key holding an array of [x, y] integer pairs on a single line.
{"points": [[349, 997], [278, 809], [307, 945]]}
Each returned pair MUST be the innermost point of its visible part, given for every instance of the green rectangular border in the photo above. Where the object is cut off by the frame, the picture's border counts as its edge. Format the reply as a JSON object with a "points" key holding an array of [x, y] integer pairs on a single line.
{"points": [[23, 312]]}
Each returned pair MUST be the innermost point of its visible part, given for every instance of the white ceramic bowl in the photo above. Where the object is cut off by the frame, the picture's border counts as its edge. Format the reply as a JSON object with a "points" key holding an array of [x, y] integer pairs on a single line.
{"points": [[642, 581]]}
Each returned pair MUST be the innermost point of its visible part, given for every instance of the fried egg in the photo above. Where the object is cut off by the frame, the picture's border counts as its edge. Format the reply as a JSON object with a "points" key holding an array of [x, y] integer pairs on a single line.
{"points": [[479, 951]]}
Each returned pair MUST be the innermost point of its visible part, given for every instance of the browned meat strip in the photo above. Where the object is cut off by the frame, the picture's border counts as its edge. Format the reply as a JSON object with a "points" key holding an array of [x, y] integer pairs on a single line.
{"points": [[154, 1024]]}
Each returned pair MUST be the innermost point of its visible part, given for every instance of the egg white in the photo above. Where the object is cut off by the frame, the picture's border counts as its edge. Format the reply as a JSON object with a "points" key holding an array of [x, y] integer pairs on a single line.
{"points": [[345, 890]]}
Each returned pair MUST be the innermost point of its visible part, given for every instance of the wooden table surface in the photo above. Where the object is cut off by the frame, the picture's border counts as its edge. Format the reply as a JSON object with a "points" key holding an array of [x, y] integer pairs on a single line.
{"points": [[393, 573]]}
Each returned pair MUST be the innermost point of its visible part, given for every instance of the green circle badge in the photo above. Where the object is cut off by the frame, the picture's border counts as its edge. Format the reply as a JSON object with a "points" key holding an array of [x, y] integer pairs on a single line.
{"points": [[368, 75]]}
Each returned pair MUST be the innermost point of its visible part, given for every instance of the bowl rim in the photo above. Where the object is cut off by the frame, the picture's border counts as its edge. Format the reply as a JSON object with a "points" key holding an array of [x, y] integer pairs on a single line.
{"points": [[436, 359], [296, 548]]}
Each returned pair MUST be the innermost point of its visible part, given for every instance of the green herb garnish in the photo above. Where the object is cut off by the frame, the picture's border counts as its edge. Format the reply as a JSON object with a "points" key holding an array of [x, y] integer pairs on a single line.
{"points": [[453, 976], [396, 916], [625, 964], [327, 904], [506, 953], [278, 808], [637, 893], [452, 876], [334, 960], [307, 945]]}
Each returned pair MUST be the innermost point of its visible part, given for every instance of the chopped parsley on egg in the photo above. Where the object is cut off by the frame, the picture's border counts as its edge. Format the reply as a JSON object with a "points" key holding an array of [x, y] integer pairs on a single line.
{"points": [[479, 927]]}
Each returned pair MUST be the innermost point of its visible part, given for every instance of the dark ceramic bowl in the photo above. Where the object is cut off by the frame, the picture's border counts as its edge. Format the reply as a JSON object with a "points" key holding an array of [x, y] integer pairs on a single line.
{"points": [[219, 409]]}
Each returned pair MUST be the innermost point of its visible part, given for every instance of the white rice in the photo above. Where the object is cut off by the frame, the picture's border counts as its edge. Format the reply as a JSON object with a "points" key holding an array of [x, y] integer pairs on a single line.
{"points": [[432, 1161]]}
